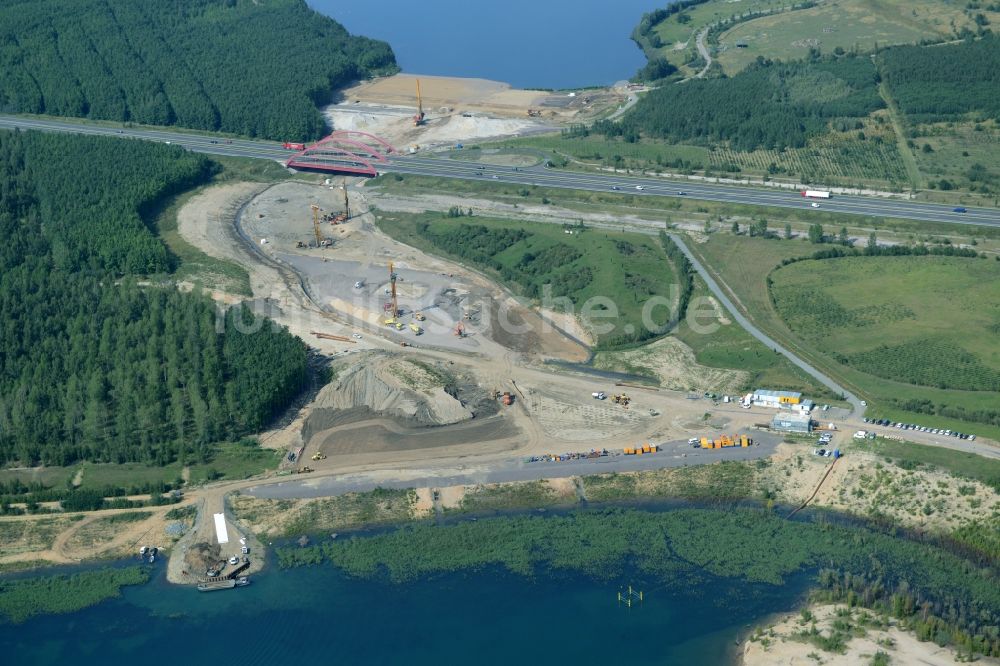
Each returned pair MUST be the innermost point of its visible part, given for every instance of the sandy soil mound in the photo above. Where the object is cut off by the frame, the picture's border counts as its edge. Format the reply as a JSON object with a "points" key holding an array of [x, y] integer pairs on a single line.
{"points": [[673, 363], [383, 385]]}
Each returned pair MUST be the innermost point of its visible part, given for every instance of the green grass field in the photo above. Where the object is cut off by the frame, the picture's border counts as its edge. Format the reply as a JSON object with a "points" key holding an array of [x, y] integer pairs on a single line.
{"points": [[677, 33], [928, 321], [626, 269], [844, 24], [730, 346], [746, 279], [965, 154], [231, 460]]}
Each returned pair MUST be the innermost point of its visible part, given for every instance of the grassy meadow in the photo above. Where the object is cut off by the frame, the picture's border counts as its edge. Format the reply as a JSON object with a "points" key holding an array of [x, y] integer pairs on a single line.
{"points": [[861, 25], [928, 321], [888, 396], [625, 268]]}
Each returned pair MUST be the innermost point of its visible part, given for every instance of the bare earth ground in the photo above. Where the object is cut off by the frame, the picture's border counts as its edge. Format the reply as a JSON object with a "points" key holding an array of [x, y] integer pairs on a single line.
{"points": [[673, 363], [459, 109], [775, 645]]}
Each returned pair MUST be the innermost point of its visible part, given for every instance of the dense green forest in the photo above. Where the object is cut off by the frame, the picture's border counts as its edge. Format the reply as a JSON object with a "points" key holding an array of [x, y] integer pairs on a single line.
{"points": [[939, 82], [93, 364], [934, 590], [240, 66], [769, 105]]}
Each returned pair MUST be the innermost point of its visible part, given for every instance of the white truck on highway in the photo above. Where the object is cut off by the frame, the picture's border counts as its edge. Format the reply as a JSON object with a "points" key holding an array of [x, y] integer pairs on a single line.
{"points": [[816, 194]]}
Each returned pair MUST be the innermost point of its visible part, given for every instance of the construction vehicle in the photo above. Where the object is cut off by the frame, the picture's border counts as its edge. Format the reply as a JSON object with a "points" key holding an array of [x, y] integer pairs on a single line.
{"points": [[418, 119], [507, 398], [305, 470], [460, 330], [416, 329], [288, 145], [404, 343], [724, 441], [328, 336], [418, 316], [621, 399], [299, 244], [534, 113], [318, 456]]}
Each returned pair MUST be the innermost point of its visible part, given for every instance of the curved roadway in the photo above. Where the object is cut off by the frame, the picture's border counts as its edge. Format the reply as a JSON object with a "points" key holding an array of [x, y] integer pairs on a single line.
{"points": [[541, 176], [856, 406]]}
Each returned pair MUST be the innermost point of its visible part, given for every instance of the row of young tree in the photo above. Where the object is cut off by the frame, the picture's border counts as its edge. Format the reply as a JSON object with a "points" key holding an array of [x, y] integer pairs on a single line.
{"points": [[769, 105], [240, 66], [940, 82], [93, 364]]}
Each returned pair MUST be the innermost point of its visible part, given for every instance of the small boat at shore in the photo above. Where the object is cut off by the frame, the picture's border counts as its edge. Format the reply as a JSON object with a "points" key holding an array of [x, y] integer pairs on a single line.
{"points": [[227, 584]]}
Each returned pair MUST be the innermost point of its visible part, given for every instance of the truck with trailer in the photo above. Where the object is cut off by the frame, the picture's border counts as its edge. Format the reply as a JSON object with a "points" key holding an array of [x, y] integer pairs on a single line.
{"points": [[816, 194]]}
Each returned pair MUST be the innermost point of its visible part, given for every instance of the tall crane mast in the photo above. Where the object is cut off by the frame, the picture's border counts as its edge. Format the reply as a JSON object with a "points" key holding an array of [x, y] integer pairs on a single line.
{"points": [[392, 290], [419, 118], [319, 236], [347, 204]]}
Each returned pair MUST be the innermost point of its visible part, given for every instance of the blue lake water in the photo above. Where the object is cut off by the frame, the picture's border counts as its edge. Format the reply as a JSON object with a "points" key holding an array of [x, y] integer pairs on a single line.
{"points": [[527, 43], [316, 615]]}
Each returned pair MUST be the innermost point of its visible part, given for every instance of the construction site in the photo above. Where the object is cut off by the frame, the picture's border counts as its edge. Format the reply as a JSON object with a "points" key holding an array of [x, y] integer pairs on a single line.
{"points": [[431, 111], [425, 364]]}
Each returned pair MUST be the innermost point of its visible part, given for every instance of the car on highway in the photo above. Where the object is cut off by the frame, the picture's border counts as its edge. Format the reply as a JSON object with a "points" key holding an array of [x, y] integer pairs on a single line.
{"points": [[959, 209], [615, 188], [639, 187], [681, 193], [495, 177], [814, 204]]}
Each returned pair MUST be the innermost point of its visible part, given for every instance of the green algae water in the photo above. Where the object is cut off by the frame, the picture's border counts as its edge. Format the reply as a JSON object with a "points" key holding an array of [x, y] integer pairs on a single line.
{"points": [[521, 589], [317, 615]]}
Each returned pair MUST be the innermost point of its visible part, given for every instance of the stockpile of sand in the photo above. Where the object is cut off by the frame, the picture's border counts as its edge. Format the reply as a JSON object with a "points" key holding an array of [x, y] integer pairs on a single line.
{"points": [[377, 383]]}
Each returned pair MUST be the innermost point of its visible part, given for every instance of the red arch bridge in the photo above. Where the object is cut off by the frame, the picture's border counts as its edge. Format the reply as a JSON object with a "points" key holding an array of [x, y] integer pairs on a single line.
{"points": [[344, 151]]}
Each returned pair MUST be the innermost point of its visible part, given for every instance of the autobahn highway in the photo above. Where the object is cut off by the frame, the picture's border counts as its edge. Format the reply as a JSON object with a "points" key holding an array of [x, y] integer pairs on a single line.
{"points": [[540, 176]]}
